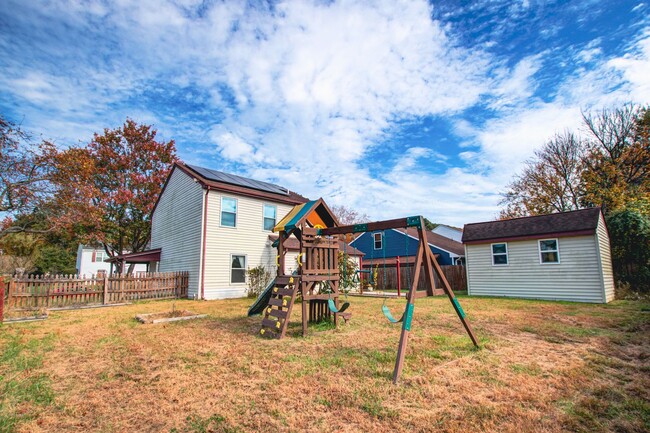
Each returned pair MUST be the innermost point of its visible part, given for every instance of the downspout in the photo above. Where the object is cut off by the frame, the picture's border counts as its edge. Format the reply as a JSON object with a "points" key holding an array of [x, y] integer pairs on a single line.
{"points": [[204, 240]]}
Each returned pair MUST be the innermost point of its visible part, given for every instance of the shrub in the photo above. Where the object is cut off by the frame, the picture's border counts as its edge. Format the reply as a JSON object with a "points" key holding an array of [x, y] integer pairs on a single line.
{"points": [[258, 278]]}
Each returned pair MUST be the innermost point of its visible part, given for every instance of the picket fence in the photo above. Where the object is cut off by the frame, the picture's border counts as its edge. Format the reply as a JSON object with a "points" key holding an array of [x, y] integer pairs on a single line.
{"points": [[55, 291]]}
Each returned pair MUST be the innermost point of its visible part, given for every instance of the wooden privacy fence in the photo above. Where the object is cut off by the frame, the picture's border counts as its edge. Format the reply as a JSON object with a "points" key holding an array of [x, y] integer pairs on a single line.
{"points": [[455, 275], [38, 291]]}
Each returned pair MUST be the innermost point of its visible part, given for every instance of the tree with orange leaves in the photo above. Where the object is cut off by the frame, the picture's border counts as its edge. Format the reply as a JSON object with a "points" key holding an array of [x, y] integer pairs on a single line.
{"points": [[106, 191]]}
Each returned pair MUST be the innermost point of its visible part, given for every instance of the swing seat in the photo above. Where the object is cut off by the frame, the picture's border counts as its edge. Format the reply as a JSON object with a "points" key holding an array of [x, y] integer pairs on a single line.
{"points": [[389, 316], [333, 309]]}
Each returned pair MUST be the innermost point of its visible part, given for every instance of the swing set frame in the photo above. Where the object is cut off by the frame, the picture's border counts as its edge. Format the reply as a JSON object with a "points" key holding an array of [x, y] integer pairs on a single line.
{"points": [[424, 258]]}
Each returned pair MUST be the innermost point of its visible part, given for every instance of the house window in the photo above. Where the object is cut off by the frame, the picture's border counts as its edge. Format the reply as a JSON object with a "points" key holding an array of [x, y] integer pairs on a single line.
{"points": [[99, 256], [237, 269], [549, 251], [500, 254], [269, 217], [228, 212], [378, 240]]}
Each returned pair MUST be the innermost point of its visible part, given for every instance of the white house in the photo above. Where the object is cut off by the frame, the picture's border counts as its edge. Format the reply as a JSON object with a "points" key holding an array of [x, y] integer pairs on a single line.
{"points": [[561, 256], [453, 233], [216, 225], [91, 260]]}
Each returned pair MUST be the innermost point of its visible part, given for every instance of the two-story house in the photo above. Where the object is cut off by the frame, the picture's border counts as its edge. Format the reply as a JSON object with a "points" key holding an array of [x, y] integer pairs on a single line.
{"points": [[216, 225]]}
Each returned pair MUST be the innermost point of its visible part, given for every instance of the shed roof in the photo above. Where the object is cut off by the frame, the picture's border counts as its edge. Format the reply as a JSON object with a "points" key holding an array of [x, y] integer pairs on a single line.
{"points": [[574, 223]]}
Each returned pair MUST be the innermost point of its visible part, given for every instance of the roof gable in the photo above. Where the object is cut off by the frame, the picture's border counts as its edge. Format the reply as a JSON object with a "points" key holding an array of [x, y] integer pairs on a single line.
{"points": [[315, 212], [578, 222], [438, 241]]}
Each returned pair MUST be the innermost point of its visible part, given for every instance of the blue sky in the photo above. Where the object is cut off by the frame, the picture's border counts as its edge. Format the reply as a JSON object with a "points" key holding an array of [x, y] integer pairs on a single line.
{"points": [[391, 108]]}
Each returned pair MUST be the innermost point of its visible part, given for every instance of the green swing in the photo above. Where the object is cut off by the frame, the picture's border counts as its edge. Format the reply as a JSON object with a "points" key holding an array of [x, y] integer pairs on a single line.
{"points": [[384, 307], [330, 302]]}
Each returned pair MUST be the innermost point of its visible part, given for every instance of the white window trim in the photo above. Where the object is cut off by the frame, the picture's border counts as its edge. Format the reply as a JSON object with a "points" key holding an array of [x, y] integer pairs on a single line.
{"points": [[264, 217], [221, 212], [381, 235], [557, 250], [500, 254], [230, 268]]}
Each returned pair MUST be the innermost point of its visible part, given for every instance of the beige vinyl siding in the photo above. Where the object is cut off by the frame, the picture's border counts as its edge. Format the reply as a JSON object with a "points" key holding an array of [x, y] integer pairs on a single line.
{"points": [[605, 259], [576, 278], [176, 228], [248, 238]]}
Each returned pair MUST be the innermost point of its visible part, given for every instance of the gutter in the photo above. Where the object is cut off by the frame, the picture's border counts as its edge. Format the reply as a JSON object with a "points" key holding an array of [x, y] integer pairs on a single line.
{"points": [[204, 239]]}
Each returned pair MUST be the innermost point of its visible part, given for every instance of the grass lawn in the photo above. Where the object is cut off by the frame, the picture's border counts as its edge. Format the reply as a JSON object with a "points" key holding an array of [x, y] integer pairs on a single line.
{"points": [[543, 367]]}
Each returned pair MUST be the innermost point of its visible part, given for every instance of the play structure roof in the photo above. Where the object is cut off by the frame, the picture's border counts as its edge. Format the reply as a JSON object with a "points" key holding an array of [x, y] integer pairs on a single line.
{"points": [[315, 213]]}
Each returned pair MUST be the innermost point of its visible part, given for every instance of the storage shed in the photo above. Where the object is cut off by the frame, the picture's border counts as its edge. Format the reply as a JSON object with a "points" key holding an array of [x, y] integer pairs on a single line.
{"points": [[562, 256]]}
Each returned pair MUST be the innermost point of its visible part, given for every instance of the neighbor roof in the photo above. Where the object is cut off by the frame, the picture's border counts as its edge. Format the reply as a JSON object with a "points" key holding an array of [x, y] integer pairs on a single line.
{"points": [[439, 241], [575, 223]]}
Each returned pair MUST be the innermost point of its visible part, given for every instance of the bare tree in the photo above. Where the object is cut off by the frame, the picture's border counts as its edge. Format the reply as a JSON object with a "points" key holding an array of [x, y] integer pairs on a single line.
{"points": [[348, 216], [23, 175], [617, 166], [550, 181]]}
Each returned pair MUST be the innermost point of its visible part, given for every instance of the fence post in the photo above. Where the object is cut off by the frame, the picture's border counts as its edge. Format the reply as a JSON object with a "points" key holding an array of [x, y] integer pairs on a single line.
{"points": [[2, 299], [105, 288]]}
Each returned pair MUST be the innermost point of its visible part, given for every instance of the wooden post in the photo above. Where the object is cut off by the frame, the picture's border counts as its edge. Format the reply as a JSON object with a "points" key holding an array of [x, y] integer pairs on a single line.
{"points": [[408, 315], [105, 288], [454, 302], [2, 299], [49, 285], [399, 281], [361, 275]]}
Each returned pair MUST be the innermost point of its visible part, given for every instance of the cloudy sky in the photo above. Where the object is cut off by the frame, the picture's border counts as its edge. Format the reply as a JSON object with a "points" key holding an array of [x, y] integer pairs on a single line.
{"points": [[393, 108]]}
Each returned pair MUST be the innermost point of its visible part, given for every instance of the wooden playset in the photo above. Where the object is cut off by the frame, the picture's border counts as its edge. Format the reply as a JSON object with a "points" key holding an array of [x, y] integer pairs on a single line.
{"points": [[317, 280]]}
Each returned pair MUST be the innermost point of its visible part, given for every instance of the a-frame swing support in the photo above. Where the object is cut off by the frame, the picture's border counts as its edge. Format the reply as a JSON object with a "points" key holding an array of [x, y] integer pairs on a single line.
{"points": [[424, 257]]}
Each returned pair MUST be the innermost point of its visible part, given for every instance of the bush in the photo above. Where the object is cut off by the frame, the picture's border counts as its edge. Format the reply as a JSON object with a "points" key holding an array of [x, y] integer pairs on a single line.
{"points": [[629, 232], [258, 278]]}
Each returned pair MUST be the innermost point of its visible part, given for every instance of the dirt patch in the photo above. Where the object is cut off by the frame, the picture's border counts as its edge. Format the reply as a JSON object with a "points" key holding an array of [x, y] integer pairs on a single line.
{"points": [[169, 316]]}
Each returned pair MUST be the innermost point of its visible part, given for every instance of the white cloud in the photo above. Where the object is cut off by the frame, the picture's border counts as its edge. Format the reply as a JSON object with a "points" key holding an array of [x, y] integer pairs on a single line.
{"points": [[635, 67], [305, 93]]}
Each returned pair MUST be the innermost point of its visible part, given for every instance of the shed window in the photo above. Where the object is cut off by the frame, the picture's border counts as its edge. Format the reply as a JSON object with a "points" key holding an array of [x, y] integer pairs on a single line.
{"points": [[549, 251], [228, 212], [269, 217], [378, 240], [238, 269], [500, 254]]}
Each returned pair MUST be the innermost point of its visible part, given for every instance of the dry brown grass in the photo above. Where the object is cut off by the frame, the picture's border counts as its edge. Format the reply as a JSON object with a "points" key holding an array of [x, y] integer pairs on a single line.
{"points": [[543, 367]]}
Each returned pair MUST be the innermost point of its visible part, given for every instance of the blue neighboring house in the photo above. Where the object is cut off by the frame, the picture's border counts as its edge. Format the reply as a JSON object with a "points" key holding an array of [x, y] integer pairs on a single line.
{"points": [[385, 246]]}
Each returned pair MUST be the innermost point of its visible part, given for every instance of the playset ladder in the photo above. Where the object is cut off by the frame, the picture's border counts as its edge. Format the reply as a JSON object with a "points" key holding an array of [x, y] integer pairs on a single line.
{"points": [[278, 311]]}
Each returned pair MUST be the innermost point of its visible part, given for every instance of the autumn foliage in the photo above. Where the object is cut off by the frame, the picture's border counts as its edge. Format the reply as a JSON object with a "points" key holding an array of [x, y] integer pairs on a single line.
{"points": [[609, 167], [106, 191]]}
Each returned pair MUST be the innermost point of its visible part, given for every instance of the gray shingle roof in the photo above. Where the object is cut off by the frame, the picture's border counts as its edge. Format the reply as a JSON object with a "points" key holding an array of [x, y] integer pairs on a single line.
{"points": [[585, 220]]}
